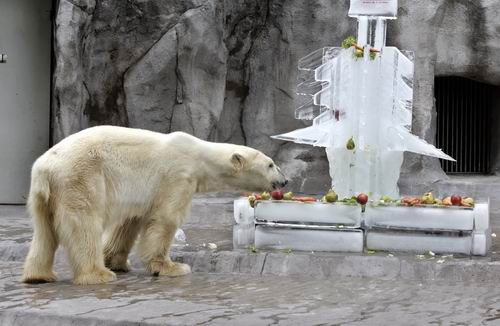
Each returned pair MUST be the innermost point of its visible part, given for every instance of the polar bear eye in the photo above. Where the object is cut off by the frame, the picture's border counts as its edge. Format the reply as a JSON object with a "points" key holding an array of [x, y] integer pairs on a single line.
{"points": [[271, 165]]}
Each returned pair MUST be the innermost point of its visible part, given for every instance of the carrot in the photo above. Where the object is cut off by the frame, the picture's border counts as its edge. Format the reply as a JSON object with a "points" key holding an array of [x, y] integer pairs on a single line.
{"points": [[361, 48], [357, 47], [304, 199]]}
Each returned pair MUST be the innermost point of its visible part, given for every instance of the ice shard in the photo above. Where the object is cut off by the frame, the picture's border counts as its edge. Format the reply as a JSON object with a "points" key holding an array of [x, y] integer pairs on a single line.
{"points": [[359, 98]]}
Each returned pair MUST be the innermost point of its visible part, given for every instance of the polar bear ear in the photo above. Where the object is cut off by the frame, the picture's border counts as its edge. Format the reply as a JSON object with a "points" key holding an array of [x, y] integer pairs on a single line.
{"points": [[238, 161]]}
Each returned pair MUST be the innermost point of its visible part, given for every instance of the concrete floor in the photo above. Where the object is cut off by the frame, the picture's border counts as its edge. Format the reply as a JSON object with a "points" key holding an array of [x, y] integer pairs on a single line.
{"points": [[243, 299]]}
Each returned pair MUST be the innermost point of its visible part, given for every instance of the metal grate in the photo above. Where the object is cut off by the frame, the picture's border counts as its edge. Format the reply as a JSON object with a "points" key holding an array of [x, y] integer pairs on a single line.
{"points": [[463, 131]]}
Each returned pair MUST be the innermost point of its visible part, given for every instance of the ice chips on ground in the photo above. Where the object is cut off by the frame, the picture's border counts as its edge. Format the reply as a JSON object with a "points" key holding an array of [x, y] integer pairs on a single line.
{"points": [[180, 236], [212, 246]]}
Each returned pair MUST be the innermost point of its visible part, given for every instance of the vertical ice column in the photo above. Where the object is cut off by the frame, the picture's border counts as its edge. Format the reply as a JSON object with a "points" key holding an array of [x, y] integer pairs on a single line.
{"points": [[371, 166]]}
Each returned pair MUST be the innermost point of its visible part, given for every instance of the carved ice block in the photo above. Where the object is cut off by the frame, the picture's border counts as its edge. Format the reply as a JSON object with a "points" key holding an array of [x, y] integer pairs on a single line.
{"points": [[482, 216], [243, 235], [243, 212], [481, 242], [418, 242], [287, 211], [423, 218], [308, 240]]}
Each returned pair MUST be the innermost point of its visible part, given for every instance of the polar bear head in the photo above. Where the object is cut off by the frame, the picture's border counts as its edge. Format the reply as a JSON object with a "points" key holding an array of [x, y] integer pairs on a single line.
{"points": [[254, 171]]}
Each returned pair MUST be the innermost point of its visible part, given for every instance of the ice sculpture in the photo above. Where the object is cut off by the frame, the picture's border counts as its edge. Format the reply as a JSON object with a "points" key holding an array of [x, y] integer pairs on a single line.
{"points": [[360, 100]]}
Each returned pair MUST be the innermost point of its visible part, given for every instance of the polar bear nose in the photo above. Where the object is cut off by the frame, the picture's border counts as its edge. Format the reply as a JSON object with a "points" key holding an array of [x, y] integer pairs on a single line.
{"points": [[280, 184]]}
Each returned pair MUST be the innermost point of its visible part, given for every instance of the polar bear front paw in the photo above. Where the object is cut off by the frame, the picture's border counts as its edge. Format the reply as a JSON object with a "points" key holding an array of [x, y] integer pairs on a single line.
{"points": [[169, 268], [37, 278], [97, 276]]}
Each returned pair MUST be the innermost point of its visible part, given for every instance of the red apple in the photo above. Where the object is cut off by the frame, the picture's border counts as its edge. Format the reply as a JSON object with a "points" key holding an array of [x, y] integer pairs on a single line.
{"points": [[456, 200], [277, 195], [362, 199]]}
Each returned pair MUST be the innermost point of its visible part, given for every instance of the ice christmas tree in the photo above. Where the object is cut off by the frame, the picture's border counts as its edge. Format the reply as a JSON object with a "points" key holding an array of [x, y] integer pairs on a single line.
{"points": [[359, 97]]}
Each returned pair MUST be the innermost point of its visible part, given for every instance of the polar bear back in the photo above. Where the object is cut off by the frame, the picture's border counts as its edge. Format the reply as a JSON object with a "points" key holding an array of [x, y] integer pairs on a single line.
{"points": [[124, 166]]}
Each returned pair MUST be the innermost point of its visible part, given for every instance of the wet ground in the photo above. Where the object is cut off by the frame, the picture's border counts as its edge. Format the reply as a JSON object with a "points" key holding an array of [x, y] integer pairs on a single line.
{"points": [[242, 299], [265, 288]]}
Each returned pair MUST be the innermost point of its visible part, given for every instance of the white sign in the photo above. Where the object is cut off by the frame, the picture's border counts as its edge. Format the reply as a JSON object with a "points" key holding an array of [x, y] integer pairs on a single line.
{"points": [[384, 8]]}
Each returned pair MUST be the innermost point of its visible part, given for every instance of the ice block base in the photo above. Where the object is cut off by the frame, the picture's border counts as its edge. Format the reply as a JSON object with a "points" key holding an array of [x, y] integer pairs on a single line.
{"points": [[318, 212], [337, 227], [308, 239], [418, 242], [420, 218], [243, 235]]}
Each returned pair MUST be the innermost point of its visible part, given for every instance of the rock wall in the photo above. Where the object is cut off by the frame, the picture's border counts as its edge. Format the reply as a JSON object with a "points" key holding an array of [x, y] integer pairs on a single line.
{"points": [[225, 70]]}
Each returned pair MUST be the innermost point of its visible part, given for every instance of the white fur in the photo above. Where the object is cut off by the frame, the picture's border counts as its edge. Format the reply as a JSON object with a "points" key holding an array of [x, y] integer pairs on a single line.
{"points": [[97, 190]]}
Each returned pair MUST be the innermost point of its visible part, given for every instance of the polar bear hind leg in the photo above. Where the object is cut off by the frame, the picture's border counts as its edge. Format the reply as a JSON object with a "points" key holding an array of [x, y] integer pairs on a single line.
{"points": [[81, 235], [40, 259]]}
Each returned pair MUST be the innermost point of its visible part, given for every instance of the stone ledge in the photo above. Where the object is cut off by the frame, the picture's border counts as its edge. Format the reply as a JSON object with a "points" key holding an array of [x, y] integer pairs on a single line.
{"points": [[22, 318], [314, 265], [322, 265]]}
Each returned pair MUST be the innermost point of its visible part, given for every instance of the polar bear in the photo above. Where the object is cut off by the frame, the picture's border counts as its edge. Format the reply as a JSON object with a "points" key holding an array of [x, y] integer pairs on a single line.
{"points": [[98, 189]]}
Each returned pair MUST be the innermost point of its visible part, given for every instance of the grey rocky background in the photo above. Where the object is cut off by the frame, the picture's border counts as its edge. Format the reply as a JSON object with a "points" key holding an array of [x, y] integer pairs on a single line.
{"points": [[225, 70]]}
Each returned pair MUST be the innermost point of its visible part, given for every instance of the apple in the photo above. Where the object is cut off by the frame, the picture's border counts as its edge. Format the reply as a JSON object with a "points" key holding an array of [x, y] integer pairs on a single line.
{"points": [[456, 200], [362, 199], [277, 195]]}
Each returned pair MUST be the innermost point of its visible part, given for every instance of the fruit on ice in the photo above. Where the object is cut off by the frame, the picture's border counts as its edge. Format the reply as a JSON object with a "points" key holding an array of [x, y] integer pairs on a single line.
{"points": [[331, 196], [456, 200], [265, 195], [428, 198], [467, 201], [288, 195], [350, 145], [362, 199], [277, 195], [252, 200]]}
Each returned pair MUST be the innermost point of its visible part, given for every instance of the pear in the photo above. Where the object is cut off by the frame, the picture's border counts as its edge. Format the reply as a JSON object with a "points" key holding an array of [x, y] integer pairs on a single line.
{"points": [[288, 195], [265, 195], [331, 196], [467, 201], [251, 201], [350, 145], [387, 199], [428, 198]]}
